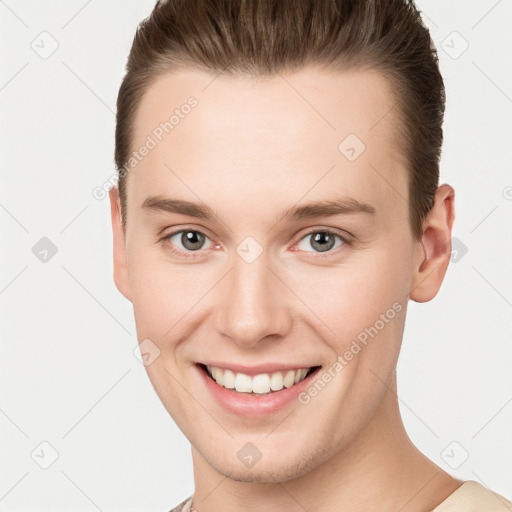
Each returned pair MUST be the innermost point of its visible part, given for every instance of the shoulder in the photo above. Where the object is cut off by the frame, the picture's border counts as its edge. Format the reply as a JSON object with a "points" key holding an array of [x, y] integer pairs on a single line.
{"points": [[184, 506], [474, 497]]}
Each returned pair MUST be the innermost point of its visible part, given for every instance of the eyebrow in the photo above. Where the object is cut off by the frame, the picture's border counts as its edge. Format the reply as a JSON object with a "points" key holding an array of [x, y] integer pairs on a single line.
{"points": [[337, 206]]}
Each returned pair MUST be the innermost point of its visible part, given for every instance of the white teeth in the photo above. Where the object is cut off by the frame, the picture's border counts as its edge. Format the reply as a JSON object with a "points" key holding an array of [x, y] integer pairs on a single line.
{"points": [[300, 375], [276, 381], [243, 383], [217, 375], [229, 378], [260, 384], [289, 379]]}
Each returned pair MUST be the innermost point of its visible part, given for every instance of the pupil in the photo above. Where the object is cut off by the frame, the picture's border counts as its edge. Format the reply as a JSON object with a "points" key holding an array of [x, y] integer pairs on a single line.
{"points": [[324, 240]]}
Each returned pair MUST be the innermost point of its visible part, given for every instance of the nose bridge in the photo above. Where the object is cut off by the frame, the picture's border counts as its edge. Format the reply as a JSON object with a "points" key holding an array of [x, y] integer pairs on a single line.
{"points": [[253, 302]]}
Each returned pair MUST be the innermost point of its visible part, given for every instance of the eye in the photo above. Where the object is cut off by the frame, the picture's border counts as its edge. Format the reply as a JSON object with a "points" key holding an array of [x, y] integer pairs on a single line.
{"points": [[186, 241], [322, 240]]}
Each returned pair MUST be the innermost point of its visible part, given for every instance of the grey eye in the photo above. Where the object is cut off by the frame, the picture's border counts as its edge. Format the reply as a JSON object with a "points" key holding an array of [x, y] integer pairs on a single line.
{"points": [[190, 240], [321, 241]]}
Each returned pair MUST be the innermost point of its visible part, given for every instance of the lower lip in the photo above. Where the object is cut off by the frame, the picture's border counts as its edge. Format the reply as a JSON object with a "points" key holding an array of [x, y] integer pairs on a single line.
{"points": [[254, 405]]}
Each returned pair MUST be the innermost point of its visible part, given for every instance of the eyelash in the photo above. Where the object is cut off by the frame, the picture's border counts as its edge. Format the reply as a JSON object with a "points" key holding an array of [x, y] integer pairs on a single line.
{"points": [[196, 254]]}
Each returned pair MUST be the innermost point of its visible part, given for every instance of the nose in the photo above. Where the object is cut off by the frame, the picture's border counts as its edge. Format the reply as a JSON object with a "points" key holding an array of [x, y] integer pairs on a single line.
{"points": [[254, 304]]}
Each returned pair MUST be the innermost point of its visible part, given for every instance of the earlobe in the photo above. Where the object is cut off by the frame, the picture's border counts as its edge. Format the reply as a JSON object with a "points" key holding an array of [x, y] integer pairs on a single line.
{"points": [[119, 246], [435, 247]]}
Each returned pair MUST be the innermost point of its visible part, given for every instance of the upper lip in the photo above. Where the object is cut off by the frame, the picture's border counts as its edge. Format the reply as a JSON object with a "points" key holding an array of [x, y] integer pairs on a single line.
{"points": [[257, 369]]}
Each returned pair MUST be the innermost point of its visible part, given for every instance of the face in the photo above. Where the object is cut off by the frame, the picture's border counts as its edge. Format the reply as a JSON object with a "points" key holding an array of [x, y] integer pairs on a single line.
{"points": [[256, 279]]}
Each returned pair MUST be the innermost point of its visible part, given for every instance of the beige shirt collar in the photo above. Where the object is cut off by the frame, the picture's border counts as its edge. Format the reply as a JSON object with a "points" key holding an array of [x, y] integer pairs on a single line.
{"points": [[472, 496]]}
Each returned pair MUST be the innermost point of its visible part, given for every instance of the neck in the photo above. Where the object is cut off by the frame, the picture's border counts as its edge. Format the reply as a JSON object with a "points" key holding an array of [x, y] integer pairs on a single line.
{"points": [[379, 469]]}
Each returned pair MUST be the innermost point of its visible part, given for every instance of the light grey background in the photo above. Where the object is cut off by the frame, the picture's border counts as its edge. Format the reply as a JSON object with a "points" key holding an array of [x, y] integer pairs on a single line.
{"points": [[68, 375]]}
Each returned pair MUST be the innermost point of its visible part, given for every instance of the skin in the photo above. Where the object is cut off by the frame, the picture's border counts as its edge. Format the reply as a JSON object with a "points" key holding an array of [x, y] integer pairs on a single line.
{"points": [[250, 150]]}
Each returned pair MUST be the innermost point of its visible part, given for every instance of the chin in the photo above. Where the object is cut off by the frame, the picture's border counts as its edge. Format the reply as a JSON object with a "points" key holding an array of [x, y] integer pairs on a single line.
{"points": [[261, 475], [277, 469]]}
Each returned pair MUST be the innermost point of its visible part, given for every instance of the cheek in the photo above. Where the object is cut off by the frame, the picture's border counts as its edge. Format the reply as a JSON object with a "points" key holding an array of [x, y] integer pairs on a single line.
{"points": [[165, 294], [359, 308], [349, 298]]}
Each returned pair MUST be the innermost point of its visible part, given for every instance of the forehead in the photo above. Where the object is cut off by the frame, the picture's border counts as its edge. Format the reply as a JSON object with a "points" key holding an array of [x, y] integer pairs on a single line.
{"points": [[286, 136]]}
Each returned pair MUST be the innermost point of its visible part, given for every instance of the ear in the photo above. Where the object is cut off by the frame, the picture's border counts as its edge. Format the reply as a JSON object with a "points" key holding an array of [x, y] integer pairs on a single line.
{"points": [[435, 246], [119, 245]]}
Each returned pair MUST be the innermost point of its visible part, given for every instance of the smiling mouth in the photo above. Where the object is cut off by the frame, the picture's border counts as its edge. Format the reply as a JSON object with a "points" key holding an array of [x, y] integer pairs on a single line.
{"points": [[262, 384]]}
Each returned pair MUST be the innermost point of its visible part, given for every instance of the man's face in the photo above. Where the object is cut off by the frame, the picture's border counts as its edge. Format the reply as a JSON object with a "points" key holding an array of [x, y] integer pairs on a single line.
{"points": [[251, 286]]}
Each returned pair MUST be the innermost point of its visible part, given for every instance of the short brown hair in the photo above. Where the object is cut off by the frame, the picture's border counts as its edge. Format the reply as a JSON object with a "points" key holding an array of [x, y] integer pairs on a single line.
{"points": [[262, 37]]}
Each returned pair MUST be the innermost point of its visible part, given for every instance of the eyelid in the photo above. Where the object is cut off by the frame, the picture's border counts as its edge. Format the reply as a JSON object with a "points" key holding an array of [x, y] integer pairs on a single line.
{"points": [[347, 237]]}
